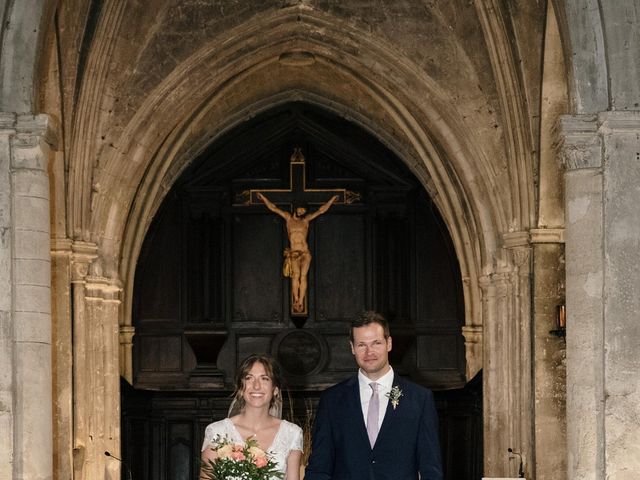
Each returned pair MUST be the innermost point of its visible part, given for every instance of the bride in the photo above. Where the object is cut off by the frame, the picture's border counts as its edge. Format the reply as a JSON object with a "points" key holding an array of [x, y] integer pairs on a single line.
{"points": [[258, 406]]}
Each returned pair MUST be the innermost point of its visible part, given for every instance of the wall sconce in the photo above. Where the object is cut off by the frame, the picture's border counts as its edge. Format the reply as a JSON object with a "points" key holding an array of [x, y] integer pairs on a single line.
{"points": [[561, 322]]}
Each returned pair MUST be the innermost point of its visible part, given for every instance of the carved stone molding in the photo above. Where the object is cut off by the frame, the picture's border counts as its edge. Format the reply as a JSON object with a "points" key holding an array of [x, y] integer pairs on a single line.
{"points": [[519, 245], [547, 235], [515, 239], [580, 137], [30, 137], [61, 246], [101, 288], [126, 334], [619, 122], [579, 144], [83, 254], [35, 125]]}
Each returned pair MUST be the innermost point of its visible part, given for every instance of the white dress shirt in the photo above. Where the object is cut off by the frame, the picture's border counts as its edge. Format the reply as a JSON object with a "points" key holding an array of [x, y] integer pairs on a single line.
{"points": [[384, 387]]}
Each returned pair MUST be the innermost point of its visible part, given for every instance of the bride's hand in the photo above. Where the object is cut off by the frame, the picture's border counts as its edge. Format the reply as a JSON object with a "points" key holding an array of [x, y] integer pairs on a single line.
{"points": [[208, 454]]}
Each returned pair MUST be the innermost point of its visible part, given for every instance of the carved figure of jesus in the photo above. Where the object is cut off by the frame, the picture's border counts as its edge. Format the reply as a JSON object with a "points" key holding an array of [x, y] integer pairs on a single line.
{"points": [[297, 258]]}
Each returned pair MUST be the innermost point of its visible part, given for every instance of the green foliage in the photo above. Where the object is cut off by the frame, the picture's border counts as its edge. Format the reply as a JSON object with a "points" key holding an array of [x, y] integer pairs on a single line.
{"points": [[240, 461]]}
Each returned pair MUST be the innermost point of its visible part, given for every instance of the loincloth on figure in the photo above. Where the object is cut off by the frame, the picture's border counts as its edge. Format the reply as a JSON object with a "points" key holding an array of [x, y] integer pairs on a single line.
{"points": [[289, 256]]}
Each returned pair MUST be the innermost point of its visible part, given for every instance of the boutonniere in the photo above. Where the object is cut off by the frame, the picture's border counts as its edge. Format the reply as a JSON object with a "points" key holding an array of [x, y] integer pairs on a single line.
{"points": [[394, 396]]}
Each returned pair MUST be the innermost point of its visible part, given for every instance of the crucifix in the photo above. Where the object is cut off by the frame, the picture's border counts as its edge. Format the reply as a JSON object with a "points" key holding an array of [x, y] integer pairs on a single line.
{"points": [[297, 257]]}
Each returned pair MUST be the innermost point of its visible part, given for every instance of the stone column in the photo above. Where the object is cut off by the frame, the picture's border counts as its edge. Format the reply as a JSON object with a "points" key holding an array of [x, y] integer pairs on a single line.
{"points": [[82, 256], [620, 132], [25, 310], [601, 155], [581, 156], [102, 309], [62, 336], [549, 354], [507, 405], [127, 333], [496, 384], [96, 302], [7, 364]]}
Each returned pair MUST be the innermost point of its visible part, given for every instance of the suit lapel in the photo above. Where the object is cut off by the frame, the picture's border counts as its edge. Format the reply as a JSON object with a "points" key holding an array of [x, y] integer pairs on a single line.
{"points": [[355, 410]]}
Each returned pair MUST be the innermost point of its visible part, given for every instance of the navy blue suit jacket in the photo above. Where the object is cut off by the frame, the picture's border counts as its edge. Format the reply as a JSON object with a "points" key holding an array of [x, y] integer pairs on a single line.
{"points": [[407, 442]]}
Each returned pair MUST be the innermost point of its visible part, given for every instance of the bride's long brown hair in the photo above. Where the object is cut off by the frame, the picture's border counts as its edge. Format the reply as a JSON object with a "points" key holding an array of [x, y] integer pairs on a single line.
{"points": [[272, 368]]}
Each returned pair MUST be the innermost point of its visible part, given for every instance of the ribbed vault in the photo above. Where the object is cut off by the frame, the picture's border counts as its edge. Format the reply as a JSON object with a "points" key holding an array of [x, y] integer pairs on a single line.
{"points": [[330, 65]]}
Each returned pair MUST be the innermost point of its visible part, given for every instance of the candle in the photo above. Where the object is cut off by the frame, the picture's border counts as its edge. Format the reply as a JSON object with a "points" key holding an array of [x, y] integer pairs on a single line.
{"points": [[562, 316]]}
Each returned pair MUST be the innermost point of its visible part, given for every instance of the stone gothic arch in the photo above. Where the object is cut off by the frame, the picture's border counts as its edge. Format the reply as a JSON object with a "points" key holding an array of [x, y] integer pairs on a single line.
{"points": [[411, 115], [114, 191]]}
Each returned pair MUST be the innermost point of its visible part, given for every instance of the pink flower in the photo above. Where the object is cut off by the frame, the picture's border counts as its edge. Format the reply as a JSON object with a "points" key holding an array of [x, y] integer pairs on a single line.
{"points": [[260, 462], [238, 456]]}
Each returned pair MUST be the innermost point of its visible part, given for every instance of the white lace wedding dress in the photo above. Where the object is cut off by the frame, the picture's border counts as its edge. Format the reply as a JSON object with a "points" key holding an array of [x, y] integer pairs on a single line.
{"points": [[288, 438]]}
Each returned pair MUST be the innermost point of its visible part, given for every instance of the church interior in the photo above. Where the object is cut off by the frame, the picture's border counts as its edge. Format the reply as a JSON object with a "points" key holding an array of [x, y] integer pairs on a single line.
{"points": [[483, 160]]}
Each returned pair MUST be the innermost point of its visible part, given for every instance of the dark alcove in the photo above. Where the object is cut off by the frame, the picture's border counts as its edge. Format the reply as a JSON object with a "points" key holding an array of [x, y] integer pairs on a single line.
{"points": [[209, 288]]}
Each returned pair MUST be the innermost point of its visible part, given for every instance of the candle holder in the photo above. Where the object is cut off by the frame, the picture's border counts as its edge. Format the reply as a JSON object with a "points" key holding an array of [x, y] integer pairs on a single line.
{"points": [[561, 322]]}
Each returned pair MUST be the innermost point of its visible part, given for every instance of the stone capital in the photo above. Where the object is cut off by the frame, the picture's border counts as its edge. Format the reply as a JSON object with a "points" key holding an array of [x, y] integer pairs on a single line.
{"points": [[126, 334], [579, 143], [474, 341], [472, 334], [83, 253], [30, 137], [29, 126], [519, 245]]}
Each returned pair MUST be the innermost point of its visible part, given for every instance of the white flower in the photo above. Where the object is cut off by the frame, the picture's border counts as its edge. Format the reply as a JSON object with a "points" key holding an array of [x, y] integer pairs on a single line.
{"points": [[394, 396]]}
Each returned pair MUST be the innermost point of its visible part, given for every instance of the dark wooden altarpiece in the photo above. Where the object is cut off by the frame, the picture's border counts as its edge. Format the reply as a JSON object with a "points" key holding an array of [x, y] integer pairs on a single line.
{"points": [[209, 289]]}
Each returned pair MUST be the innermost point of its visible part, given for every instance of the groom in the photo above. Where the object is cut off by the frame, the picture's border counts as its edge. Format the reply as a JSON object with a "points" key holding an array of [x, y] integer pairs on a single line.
{"points": [[375, 425]]}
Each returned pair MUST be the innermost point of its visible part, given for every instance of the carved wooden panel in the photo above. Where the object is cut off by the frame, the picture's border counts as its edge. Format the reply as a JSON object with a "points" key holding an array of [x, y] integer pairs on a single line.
{"points": [[205, 262], [340, 272], [157, 281], [163, 353], [257, 283]]}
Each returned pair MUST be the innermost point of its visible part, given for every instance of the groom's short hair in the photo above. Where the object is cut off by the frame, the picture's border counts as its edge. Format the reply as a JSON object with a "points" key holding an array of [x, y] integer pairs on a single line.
{"points": [[367, 318]]}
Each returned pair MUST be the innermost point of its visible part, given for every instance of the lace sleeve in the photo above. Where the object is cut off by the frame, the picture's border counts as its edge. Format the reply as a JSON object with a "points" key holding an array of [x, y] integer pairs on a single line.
{"points": [[297, 440], [213, 431]]}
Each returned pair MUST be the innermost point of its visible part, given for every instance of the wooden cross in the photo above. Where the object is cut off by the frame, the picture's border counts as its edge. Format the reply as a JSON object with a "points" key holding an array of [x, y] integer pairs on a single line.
{"points": [[297, 193], [297, 256]]}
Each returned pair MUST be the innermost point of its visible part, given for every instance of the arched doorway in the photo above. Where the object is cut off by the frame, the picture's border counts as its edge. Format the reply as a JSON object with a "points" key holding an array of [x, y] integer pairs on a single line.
{"points": [[209, 275]]}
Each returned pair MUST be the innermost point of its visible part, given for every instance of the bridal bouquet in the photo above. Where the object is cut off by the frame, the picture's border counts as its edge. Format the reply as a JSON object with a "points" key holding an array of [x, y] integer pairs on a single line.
{"points": [[240, 461]]}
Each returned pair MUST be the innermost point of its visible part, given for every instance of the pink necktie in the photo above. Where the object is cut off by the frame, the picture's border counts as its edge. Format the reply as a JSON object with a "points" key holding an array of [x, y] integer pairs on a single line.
{"points": [[372, 414]]}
